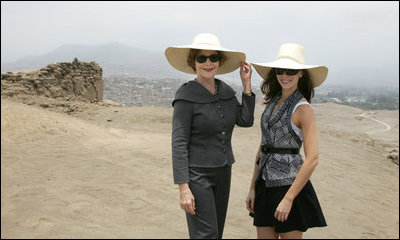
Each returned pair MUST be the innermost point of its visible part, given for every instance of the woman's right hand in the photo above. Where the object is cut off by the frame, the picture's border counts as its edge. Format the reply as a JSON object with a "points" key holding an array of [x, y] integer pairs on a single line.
{"points": [[250, 200], [186, 199]]}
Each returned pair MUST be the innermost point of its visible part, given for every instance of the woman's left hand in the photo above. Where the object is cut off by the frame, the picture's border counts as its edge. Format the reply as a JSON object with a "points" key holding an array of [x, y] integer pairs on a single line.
{"points": [[283, 210], [245, 75]]}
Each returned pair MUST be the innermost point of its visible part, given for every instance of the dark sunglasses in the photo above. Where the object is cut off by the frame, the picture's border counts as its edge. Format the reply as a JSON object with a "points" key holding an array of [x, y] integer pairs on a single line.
{"points": [[290, 72], [203, 59]]}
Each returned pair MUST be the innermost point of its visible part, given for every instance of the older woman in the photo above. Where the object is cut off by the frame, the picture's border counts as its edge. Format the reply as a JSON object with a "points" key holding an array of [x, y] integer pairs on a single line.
{"points": [[205, 113]]}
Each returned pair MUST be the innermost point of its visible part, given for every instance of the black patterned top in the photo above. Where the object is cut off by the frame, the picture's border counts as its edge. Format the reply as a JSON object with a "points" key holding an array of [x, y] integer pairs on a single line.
{"points": [[280, 169]]}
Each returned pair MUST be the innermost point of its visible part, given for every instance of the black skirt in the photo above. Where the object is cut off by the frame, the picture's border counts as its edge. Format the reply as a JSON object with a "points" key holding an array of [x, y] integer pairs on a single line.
{"points": [[305, 212]]}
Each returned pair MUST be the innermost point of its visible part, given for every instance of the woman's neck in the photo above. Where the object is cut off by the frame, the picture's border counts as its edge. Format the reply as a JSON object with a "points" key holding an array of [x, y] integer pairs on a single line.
{"points": [[205, 81], [286, 93], [208, 83]]}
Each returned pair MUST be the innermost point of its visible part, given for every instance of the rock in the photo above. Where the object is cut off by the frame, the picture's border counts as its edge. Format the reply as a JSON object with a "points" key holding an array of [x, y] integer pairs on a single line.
{"points": [[77, 80], [394, 155], [107, 102]]}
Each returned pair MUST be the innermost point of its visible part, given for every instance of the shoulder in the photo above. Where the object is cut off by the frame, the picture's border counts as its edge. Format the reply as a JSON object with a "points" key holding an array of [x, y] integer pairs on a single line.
{"points": [[305, 113], [187, 86], [183, 92], [223, 85], [305, 108], [303, 103], [224, 90]]}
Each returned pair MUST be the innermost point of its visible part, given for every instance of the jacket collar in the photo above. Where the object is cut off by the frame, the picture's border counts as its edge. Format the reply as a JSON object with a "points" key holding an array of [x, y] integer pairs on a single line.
{"points": [[193, 91]]}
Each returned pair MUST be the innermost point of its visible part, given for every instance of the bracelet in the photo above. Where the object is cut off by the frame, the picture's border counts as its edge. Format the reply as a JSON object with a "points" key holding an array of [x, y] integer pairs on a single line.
{"points": [[248, 94]]}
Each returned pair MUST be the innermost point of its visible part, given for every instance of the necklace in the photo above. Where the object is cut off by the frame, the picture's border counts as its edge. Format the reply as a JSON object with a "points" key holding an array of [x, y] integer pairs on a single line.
{"points": [[216, 88]]}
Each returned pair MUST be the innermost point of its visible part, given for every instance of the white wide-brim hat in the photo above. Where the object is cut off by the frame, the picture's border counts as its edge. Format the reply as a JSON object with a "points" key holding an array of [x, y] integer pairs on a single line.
{"points": [[291, 56], [177, 55]]}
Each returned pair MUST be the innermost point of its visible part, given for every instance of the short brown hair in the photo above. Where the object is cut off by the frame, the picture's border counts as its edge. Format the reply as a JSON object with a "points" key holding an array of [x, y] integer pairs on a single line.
{"points": [[193, 53]]}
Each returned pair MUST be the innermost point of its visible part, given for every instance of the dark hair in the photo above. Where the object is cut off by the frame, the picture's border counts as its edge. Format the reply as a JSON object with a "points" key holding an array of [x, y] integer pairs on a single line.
{"points": [[271, 87], [193, 53]]}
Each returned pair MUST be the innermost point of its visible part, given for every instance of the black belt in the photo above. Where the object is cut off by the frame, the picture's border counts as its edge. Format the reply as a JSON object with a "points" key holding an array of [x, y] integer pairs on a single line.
{"points": [[266, 149]]}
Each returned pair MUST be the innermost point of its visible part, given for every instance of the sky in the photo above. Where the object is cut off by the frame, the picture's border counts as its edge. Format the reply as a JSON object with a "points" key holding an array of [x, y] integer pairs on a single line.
{"points": [[340, 35]]}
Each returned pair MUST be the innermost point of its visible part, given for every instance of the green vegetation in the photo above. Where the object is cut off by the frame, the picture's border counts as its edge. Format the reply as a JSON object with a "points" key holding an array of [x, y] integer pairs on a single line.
{"points": [[364, 98]]}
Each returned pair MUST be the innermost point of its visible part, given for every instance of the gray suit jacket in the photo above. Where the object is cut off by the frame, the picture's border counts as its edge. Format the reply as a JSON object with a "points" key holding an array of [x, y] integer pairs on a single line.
{"points": [[202, 126]]}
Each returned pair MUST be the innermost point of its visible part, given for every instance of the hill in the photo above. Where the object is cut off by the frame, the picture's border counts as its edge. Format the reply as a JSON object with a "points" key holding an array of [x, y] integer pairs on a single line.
{"points": [[103, 171], [119, 59], [114, 58]]}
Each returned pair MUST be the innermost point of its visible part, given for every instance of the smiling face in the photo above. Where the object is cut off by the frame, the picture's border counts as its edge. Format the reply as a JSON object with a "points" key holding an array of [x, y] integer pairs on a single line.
{"points": [[207, 69], [289, 82]]}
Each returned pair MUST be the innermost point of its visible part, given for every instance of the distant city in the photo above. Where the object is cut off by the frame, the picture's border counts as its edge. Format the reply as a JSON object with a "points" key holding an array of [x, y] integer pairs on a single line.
{"points": [[360, 97], [138, 77], [133, 91]]}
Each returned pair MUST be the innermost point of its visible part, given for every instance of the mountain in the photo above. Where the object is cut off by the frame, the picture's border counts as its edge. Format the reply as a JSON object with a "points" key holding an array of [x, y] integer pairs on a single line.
{"points": [[115, 58], [119, 59]]}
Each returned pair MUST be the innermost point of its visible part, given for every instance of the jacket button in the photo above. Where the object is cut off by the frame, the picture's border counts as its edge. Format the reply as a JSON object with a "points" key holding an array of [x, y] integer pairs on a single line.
{"points": [[219, 107], [223, 133], [222, 116]]}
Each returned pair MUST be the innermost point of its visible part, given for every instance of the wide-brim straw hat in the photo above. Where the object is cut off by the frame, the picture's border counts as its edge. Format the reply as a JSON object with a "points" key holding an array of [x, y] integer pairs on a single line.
{"points": [[292, 56], [177, 55]]}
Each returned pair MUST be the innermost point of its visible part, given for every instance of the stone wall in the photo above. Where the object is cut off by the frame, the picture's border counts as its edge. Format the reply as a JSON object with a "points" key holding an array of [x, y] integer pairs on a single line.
{"points": [[65, 81]]}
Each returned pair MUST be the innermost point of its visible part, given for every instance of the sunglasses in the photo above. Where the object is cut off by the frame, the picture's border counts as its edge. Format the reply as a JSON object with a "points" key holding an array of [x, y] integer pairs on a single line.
{"points": [[290, 72], [203, 59]]}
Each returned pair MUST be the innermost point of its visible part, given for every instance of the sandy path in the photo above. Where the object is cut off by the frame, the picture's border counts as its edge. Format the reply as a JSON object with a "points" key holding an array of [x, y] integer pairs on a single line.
{"points": [[87, 177], [376, 120]]}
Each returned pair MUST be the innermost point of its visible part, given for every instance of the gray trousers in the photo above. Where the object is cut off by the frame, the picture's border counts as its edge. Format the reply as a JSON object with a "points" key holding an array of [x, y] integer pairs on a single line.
{"points": [[210, 188]]}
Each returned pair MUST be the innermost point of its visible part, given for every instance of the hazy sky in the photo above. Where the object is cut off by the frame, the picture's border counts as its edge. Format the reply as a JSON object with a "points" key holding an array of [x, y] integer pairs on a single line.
{"points": [[336, 34]]}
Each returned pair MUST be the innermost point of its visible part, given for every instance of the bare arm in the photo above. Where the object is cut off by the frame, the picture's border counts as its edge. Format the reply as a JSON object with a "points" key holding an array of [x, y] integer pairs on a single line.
{"points": [[305, 117], [251, 196], [255, 171]]}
